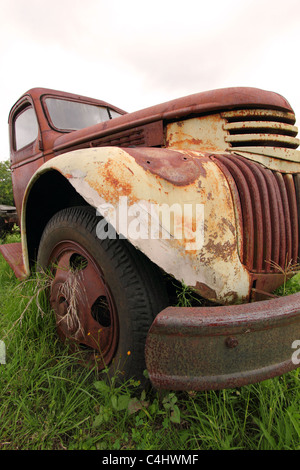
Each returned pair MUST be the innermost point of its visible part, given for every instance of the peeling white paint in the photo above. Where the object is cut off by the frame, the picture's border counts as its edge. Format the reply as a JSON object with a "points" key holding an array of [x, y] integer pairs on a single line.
{"points": [[104, 174]]}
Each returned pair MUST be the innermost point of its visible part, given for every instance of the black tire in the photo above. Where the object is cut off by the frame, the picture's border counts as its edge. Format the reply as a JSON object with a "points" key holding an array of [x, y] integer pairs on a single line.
{"points": [[130, 288]]}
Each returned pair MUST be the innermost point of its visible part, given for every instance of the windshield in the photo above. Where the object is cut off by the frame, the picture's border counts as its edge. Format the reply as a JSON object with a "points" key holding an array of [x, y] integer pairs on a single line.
{"points": [[72, 115]]}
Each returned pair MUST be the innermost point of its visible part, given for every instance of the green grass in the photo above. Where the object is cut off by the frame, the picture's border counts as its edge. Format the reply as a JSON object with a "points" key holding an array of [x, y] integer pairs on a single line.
{"points": [[49, 402]]}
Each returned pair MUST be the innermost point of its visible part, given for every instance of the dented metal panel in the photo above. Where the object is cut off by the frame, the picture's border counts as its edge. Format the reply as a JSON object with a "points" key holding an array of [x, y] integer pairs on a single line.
{"points": [[231, 346]]}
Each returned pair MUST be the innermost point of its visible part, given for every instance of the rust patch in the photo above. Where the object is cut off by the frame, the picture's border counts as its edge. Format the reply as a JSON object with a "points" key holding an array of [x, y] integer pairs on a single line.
{"points": [[266, 206], [223, 251], [12, 253], [205, 291], [186, 347], [199, 133], [178, 168], [112, 183], [227, 223]]}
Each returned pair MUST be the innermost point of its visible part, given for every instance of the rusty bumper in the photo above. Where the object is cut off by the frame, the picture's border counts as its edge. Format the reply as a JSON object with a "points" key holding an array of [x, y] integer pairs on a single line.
{"points": [[211, 348]]}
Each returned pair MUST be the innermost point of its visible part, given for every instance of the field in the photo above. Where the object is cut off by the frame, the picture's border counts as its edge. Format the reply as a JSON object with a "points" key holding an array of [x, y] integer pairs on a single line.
{"points": [[49, 402]]}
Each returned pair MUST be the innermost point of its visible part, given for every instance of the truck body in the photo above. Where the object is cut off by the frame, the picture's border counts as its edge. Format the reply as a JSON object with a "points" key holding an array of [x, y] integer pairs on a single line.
{"points": [[206, 187]]}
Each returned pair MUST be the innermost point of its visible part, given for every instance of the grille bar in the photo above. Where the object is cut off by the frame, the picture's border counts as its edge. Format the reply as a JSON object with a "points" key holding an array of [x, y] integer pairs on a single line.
{"points": [[297, 189], [248, 127], [271, 140], [255, 127], [259, 114], [268, 212], [246, 209], [291, 190]]}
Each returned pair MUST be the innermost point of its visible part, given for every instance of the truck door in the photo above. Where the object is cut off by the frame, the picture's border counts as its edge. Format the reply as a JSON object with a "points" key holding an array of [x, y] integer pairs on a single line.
{"points": [[26, 147]]}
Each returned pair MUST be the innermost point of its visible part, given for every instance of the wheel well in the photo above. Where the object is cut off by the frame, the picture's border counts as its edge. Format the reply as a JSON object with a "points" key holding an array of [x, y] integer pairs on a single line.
{"points": [[50, 193]]}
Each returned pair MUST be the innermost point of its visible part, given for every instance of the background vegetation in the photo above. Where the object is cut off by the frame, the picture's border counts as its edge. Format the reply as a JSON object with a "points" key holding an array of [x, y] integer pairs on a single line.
{"points": [[48, 401], [6, 192]]}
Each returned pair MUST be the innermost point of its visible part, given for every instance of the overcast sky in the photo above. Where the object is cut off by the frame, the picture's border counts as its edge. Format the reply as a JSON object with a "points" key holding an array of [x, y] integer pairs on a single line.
{"points": [[136, 54]]}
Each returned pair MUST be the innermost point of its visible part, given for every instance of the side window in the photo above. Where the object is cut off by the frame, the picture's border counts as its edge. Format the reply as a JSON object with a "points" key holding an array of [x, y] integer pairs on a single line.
{"points": [[26, 128]]}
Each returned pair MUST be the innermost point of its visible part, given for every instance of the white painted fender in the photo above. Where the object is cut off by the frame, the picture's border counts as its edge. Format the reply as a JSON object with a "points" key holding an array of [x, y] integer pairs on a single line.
{"points": [[205, 257]]}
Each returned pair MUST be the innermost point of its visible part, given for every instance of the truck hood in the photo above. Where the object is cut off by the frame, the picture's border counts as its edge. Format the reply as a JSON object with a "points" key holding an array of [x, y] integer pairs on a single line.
{"points": [[195, 104]]}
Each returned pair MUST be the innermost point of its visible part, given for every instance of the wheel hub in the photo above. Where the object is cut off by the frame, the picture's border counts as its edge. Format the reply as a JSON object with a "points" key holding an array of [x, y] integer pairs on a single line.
{"points": [[85, 311]]}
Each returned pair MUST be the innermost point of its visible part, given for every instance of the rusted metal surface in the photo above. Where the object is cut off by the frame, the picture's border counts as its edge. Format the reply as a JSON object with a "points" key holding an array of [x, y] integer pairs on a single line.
{"points": [[174, 167], [205, 132], [244, 127], [269, 214], [297, 190], [261, 127], [264, 284], [144, 127], [230, 151], [199, 103], [148, 135], [275, 158], [262, 116], [102, 175], [247, 221], [222, 347], [76, 294], [263, 139], [292, 199], [26, 161], [12, 253], [247, 211], [257, 233]]}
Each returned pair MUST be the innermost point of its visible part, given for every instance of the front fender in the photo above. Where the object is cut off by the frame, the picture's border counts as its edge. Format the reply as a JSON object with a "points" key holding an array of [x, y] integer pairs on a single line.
{"points": [[175, 206]]}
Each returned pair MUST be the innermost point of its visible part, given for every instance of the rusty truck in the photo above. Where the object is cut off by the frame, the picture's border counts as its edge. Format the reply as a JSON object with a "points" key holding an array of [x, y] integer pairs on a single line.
{"points": [[224, 166]]}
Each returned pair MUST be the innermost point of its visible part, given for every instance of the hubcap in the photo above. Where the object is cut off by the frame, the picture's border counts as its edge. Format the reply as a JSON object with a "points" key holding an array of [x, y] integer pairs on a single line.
{"points": [[85, 312]]}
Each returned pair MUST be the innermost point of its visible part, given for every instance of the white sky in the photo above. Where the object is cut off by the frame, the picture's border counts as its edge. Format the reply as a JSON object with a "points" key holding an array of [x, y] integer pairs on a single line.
{"points": [[136, 54]]}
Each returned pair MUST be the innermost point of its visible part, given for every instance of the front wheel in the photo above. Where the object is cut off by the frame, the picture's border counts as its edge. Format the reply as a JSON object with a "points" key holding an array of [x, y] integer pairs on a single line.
{"points": [[105, 293]]}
